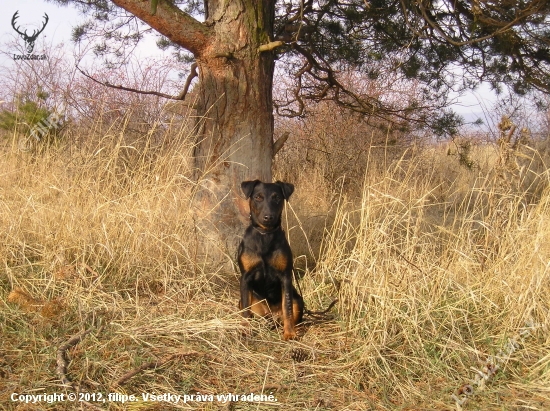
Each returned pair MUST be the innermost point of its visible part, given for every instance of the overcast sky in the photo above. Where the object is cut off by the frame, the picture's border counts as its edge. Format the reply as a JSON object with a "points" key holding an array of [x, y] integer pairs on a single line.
{"points": [[63, 19]]}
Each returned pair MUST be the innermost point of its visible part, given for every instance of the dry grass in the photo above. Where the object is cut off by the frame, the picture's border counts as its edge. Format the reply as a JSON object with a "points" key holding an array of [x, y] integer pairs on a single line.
{"points": [[435, 266]]}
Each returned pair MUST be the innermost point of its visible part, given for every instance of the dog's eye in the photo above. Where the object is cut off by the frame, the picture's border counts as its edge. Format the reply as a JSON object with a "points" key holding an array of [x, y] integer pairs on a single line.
{"points": [[258, 197], [276, 198]]}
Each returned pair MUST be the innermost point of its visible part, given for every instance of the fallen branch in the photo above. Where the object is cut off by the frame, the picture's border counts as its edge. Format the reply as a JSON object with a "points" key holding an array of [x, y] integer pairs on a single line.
{"points": [[62, 360], [148, 366]]}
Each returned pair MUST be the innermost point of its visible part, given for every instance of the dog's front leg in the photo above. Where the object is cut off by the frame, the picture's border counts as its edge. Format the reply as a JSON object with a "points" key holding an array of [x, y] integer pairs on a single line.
{"points": [[246, 296], [289, 333], [249, 262]]}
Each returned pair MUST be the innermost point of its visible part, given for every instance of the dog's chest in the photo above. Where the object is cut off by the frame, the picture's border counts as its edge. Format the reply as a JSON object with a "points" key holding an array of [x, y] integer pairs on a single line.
{"points": [[274, 249]]}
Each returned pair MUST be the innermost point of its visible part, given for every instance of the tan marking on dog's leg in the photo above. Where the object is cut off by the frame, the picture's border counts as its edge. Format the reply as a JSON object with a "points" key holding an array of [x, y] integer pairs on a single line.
{"points": [[259, 307], [296, 312], [289, 333]]}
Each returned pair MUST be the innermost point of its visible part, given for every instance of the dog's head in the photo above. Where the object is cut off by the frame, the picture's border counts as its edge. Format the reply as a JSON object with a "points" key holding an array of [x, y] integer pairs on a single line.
{"points": [[266, 201]]}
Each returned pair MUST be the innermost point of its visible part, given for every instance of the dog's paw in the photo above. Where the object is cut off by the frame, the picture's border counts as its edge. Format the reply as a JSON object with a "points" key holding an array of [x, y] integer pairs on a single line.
{"points": [[245, 329], [289, 335]]}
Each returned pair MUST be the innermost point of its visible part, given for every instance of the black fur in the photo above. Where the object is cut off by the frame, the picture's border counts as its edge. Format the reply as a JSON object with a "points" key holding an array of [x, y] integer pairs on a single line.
{"points": [[265, 257]]}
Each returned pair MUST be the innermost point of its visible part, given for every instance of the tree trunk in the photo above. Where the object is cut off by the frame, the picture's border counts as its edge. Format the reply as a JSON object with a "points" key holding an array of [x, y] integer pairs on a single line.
{"points": [[234, 107], [235, 116]]}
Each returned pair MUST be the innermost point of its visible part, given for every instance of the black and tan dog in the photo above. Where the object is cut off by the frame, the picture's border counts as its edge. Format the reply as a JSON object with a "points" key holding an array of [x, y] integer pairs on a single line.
{"points": [[265, 258]]}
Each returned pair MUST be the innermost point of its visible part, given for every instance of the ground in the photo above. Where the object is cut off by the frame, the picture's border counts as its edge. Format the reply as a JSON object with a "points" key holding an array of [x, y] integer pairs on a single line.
{"points": [[436, 267]]}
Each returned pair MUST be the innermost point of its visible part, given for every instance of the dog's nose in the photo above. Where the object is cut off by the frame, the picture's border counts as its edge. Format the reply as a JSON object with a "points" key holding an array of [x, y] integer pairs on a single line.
{"points": [[268, 218]]}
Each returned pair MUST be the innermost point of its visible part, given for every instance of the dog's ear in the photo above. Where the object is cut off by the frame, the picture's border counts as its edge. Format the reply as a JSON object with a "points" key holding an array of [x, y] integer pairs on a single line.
{"points": [[287, 188], [248, 187]]}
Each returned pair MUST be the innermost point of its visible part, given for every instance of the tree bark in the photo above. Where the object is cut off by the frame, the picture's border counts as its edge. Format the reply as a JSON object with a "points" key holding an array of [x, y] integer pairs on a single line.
{"points": [[234, 107], [235, 114]]}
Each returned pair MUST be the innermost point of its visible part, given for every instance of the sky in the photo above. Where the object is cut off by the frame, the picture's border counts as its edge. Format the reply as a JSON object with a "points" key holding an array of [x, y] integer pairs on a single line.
{"points": [[63, 19]]}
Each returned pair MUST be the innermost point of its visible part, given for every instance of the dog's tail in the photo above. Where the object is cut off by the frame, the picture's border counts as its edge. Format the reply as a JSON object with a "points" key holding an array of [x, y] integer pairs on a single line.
{"points": [[320, 313]]}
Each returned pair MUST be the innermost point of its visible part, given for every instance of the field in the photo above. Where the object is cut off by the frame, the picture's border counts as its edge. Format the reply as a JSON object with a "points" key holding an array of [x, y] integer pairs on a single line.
{"points": [[440, 262]]}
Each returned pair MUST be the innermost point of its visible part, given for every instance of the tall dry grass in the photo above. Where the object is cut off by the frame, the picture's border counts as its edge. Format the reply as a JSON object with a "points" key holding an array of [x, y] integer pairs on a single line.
{"points": [[435, 266]]}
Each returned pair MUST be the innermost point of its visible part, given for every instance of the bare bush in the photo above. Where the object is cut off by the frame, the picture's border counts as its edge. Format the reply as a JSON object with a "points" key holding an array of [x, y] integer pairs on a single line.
{"points": [[96, 110], [337, 146]]}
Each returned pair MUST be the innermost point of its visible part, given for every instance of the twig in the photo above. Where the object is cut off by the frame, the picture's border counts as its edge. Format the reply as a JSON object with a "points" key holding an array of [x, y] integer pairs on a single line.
{"points": [[307, 67], [62, 360], [193, 73], [147, 366], [298, 99], [180, 96], [406, 260]]}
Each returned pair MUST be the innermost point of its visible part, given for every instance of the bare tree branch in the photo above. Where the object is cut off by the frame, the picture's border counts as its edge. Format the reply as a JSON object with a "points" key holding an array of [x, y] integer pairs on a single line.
{"points": [[180, 96], [190, 78], [502, 25], [270, 46]]}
